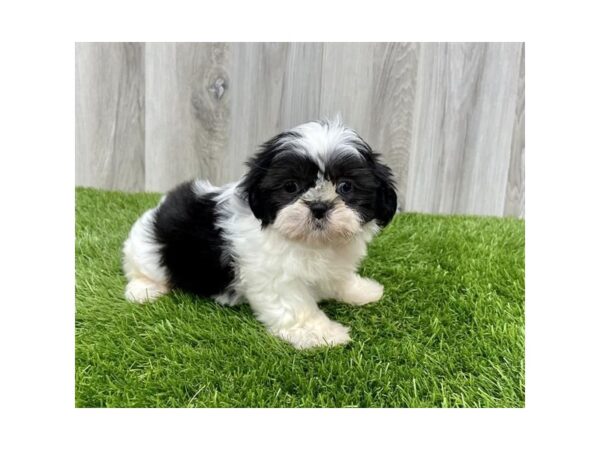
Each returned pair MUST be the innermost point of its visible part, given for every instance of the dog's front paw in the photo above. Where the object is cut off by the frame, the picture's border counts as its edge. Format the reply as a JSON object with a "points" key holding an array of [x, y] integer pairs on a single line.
{"points": [[309, 335], [360, 291]]}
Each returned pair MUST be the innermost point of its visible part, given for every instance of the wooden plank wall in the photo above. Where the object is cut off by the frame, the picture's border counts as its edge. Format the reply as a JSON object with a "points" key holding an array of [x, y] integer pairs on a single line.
{"points": [[109, 114], [448, 118]]}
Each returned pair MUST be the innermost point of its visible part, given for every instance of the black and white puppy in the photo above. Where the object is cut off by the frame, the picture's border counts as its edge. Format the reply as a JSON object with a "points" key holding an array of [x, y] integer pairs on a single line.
{"points": [[291, 232]]}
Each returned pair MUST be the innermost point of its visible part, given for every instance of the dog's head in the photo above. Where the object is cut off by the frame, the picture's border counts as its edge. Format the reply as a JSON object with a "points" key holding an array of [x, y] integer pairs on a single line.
{"points": [[319, 182]]}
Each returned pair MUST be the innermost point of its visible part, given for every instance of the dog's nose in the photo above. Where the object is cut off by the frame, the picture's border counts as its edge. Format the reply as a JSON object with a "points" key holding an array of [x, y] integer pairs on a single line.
{"points": [[318, 209]]}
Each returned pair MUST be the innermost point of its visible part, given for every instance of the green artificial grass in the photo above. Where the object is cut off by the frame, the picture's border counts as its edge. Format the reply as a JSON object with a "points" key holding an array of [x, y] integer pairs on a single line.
{"points": [[449, 331]]}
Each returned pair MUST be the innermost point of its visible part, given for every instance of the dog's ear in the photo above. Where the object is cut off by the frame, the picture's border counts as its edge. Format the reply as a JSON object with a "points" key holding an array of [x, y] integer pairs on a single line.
{"points": [[250, 185], [258, 166], [385, 195], [386, 200]]}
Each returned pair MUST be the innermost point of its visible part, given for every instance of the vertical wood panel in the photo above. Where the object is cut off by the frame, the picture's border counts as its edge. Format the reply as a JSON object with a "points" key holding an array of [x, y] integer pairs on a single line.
{"points": [[274, 86], [257, 78], [301, 97], [241, 95], [109, 114], [187, 112], [392, 105], [465, 112], [448, 118], [346, 83], [372, 85], [515, 188]]}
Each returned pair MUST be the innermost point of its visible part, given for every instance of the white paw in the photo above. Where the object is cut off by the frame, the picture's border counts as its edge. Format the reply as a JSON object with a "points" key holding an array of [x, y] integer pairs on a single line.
{"points": [[229, 299], [362, 291], [314, 335], [141, 290]]}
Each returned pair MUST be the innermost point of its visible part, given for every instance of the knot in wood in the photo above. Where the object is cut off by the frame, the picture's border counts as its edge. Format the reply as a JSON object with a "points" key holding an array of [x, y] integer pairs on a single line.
{"points": [[217, 89]]}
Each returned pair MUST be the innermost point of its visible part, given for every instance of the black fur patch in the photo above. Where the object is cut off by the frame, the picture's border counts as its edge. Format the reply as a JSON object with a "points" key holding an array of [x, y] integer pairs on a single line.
{"points": [[192, 246], [372, 195], [269, 171]]}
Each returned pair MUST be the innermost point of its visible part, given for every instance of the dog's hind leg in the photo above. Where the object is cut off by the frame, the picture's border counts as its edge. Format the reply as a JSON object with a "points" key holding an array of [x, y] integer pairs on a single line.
{"points": [[147, 278], [143, 290]]}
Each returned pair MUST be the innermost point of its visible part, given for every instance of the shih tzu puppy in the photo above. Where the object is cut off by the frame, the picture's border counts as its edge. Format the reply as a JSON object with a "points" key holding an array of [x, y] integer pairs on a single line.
{"points": [[291, 232]]}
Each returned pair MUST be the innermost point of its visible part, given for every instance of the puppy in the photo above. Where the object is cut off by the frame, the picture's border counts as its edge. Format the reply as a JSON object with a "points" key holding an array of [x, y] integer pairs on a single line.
{"points": [[291, 232]]}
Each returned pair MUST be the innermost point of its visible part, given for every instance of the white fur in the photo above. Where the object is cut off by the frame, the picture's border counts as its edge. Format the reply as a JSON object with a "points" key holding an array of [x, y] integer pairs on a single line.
{"points": [[318, 140], [295, 222], [141, 262], [356, 290], [283, 270], [284, 279]]}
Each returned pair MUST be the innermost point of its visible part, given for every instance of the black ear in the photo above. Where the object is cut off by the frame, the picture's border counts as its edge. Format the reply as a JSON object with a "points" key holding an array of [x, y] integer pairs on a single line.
{"points": [[250, 185], [386, 201], [258, 167], [256, 205]]}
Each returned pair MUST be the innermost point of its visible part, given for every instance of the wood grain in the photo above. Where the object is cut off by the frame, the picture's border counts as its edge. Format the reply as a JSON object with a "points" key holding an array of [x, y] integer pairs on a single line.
{"points": [[515, 187], [257, 78], [301, 96], [109, 112], [395, 68], [448, 118], [187, 113], [372, 85], [465, 111], [275, 86], [346, 83]]}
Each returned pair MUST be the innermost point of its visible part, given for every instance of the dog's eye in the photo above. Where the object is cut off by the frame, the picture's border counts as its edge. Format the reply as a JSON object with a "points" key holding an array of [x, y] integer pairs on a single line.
{"points": [[291, 187], [345, 187]]}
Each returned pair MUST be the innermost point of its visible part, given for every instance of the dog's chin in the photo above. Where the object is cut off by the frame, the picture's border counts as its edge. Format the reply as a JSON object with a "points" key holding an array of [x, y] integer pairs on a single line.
{"points": [[297, 223]]}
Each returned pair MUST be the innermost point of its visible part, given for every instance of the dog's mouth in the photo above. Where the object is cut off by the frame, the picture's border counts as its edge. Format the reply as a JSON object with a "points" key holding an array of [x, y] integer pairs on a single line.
{"points": [[336, 225], [319, 224]]}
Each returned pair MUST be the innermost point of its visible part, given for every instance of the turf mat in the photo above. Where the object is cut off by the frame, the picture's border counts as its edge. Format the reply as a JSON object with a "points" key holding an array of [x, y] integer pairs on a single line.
{"points": [[449, 331]]}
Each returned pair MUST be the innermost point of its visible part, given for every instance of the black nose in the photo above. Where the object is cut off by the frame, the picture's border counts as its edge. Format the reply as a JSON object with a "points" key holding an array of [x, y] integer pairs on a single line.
{"points": [[319, 209]]}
